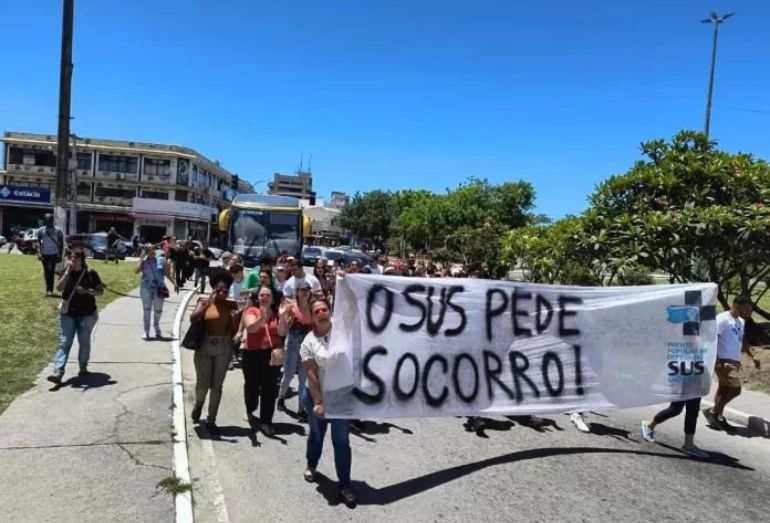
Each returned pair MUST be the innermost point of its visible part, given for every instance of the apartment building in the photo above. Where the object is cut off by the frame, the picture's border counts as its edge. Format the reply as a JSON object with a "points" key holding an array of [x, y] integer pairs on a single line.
{"points": [[143, 189], [299, 185]]}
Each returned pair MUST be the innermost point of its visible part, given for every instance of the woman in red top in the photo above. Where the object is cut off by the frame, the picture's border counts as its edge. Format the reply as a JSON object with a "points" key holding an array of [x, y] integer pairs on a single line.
{"points": [[294, 323], [260, 379]]}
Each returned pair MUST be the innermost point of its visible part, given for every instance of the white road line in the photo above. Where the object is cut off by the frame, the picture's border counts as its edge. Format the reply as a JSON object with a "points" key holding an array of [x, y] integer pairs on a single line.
{"points": [[183, 500]]}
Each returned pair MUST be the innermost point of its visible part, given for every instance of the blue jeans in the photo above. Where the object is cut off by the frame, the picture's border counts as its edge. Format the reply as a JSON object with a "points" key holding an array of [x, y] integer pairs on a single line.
{"points": [[151, 302], [83, 326], [292, 364], [343, 458]]}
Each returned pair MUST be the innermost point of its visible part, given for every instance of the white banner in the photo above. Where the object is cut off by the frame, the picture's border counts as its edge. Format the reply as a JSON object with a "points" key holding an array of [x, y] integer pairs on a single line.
{"points": [[415, 347]]}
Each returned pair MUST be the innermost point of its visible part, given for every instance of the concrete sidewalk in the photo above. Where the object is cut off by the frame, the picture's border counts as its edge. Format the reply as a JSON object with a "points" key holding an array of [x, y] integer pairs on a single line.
{"points": [[95, 449], [751, 409]]}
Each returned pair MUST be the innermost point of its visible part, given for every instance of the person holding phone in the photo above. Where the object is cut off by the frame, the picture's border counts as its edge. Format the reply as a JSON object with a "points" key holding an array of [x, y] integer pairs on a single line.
{"points": [[154, 270], [294, 323], [50, 250], [79, 287], [260, 379]]}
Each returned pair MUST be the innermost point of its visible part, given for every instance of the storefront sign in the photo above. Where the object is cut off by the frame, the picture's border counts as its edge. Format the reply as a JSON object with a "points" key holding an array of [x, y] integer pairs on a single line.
{"points": [[164, 208], [16, 193]]}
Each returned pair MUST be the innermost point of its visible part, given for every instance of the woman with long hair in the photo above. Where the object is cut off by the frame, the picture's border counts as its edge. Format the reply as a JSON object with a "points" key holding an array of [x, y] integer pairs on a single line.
{"points": [[212, 359], [294, 323], [154, 270], [260, 379]]}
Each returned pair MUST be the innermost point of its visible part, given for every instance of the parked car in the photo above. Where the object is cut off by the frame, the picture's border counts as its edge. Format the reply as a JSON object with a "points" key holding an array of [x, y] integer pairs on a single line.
{"points": [[311, 254], [99, 247], [333, 255], [3, 241]]}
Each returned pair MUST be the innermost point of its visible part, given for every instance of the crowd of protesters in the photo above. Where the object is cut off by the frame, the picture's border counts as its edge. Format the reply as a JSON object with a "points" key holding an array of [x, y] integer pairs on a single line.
{"points": [[275, 322]]}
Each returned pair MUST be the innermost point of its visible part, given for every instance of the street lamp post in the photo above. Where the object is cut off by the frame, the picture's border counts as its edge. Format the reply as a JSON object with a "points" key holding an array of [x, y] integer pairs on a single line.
{"points": [[717, 20]]}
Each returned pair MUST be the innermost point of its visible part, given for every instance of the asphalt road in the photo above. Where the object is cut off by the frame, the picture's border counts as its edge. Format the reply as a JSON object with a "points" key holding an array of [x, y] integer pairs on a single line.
{"points": [[433, 469]]}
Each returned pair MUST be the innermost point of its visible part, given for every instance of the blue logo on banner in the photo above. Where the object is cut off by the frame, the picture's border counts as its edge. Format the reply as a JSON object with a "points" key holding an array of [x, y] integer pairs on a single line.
{"points": [[681, 314], [691, 314], [14, 193]]}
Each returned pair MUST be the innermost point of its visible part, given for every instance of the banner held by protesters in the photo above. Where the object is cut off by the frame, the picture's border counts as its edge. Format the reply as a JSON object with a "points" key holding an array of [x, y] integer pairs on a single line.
{"points": [[434, 347]]}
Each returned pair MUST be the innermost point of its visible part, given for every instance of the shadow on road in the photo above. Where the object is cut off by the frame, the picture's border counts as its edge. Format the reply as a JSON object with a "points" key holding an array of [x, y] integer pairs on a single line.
{"points": [[600, 429], [369, 495], [92, 380]]}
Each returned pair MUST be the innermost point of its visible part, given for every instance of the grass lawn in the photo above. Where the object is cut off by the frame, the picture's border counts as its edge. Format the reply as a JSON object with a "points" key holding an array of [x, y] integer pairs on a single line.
{"points": [[29, 325]]}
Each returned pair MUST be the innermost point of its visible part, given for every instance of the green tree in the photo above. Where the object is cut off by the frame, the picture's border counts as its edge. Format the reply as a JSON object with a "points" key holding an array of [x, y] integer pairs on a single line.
{"points": [[689, 209], [369, 215]]}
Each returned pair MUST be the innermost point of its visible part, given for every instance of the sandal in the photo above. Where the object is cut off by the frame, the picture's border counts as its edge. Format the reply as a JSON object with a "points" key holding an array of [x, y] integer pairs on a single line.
{"points": [[309, 475]]}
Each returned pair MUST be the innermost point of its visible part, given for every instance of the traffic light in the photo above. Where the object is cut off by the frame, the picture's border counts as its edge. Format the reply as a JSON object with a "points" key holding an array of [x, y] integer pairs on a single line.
{"points": [[234, 182]]}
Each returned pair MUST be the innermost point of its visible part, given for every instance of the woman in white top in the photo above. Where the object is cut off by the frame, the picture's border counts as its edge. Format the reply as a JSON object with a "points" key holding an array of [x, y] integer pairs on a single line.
{"points": [[315, 357]]}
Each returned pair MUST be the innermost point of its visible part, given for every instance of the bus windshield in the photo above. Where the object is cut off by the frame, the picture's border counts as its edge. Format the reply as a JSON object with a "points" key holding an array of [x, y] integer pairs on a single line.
{"points": [[254, 233]]}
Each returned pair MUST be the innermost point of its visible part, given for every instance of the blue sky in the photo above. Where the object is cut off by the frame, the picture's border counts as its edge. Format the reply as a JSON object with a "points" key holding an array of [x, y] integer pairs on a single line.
{"points": [[396, 94]]}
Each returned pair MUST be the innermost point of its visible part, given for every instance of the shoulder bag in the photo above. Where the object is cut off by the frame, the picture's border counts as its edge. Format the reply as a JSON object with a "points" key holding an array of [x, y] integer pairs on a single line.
{"points": [[64, 308], [195, 335], [276, 353]]}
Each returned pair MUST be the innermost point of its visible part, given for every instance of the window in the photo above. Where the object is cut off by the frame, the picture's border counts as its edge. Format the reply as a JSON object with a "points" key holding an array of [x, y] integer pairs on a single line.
{"points": [[155, 195], [40, 158], [155, 167], [115, 192], [181, 196], [84, 189], [84, 161], [118, 164]]}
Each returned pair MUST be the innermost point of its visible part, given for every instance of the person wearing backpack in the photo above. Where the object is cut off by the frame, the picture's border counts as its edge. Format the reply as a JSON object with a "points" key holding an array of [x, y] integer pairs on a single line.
{"points": [[51, 241], [79, 287]]}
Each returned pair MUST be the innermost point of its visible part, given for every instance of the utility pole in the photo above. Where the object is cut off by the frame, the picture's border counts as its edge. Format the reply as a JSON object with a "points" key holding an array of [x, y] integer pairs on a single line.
{"points": [[73, 165], [65, 96], [717, 20]]}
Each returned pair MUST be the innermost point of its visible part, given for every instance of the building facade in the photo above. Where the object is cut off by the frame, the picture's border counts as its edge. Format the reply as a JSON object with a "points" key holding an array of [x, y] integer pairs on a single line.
{"points": [[338, 200], [323, 226], [143, 189], [299, 185]]}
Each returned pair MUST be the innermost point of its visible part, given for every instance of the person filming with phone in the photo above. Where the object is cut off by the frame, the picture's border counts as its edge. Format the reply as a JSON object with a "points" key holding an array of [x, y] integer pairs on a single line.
{"points": [[79, 287], [154, 270]]}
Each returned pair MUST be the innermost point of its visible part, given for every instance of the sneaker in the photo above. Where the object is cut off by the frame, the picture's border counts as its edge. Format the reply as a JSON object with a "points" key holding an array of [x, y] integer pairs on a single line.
{"points": [[711, 418], [146, 336], [348, 497], [694, 452], [158, 335], [55, 378], [722, 423], [212, 428], [577, 419], [648, 433], [196, 413], [48, 294], [281, 405], [83, 372]]}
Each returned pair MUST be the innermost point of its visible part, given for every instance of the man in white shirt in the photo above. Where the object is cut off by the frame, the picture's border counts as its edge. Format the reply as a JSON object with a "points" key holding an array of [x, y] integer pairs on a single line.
{"points": [[51, 249], [730, 344], [374, 266], [298, 275]]}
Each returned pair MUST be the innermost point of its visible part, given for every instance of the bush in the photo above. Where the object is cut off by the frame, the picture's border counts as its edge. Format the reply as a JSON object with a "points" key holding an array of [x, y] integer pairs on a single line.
{"points": [[635, 277]]}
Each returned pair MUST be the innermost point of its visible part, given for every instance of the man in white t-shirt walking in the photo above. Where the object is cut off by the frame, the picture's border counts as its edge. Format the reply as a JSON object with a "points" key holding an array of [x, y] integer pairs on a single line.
{"points": [[730, 344], [298, 275]]}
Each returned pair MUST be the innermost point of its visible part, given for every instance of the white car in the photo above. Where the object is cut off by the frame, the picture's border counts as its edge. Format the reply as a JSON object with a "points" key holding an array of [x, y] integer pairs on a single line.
{"points": [[3, 241]]}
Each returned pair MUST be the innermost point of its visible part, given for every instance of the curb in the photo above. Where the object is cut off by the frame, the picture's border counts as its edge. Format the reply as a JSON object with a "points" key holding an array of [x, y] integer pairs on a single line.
{"points": [[754, 423], [183, 500]]}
